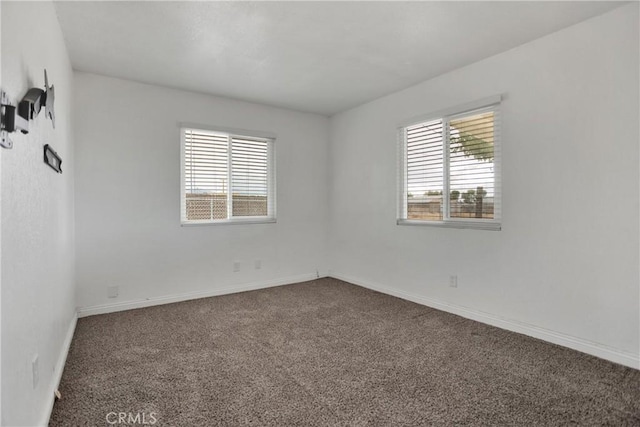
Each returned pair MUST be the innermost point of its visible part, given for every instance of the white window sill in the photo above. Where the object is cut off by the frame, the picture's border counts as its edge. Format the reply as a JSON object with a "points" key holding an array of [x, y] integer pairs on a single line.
{"points": [[477, 225], [235, 221]]}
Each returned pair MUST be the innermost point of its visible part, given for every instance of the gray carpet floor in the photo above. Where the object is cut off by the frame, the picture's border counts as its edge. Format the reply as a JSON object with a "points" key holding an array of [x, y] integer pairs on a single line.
{"points": [[330, 353]]}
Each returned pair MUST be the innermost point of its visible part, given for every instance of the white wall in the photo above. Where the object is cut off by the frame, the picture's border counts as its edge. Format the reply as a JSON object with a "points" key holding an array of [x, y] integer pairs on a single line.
{"points": [[566, 261], [1, 417], [38, 297], [128, 196], [557, 265]]}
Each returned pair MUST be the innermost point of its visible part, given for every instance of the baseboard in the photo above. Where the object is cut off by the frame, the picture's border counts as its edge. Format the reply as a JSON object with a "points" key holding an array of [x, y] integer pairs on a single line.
{"points": [[594, 349], [57, 373], [579, 344], [168, 299]]}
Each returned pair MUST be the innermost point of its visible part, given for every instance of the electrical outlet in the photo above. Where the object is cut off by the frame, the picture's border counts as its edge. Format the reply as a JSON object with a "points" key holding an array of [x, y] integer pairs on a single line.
{"points": [[257, 264], [112, 291], [35, 371], [453, 281], [236, 266]]}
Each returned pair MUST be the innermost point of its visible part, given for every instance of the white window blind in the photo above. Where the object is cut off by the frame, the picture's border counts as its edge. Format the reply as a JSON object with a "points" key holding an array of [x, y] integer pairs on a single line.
{"points": [[450, 170], [226, 178]]}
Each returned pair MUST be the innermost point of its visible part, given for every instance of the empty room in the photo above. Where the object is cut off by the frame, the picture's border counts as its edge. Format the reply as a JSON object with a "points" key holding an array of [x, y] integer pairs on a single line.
{"points": [[320, 213]]}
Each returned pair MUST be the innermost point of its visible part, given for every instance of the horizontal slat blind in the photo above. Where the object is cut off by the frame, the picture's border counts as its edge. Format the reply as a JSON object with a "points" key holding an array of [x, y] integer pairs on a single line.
{"points": [[424, 174], [206, 175], [250, 160], [226, 176], [472, 180], [450, 169]]}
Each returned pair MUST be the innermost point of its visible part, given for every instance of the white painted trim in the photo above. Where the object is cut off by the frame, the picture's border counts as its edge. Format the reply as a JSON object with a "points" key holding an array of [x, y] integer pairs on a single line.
{"points": [[454, 223], [579, 344], [57, 373], [233, 221], [168, 299], [456, 110], [228, 130]]}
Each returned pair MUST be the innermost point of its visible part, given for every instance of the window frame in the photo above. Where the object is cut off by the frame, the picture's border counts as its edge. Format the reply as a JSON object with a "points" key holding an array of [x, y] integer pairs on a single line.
{"points": [[231, 133], [492, 103]]}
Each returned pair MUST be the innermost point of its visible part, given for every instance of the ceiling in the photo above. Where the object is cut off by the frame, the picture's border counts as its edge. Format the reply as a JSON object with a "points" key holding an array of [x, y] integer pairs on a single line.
{"points": [[321, 57]]}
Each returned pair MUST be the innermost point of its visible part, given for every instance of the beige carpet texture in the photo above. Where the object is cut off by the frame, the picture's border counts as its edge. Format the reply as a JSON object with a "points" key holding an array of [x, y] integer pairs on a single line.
{"points": [[328, 353]]}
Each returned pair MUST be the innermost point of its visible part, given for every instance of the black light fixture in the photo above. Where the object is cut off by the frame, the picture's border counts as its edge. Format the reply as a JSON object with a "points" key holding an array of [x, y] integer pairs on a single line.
{"points": [[28, 109]]}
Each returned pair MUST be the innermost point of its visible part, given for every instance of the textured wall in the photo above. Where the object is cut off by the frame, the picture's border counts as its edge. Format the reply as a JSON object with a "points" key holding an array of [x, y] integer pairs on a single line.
{"points": [[38, 298], [570, 137], [128, 195]]}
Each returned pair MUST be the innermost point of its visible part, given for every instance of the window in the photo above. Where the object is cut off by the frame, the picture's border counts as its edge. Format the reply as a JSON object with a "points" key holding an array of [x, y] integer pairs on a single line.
{"points": [[450, 168], [226, 177]]}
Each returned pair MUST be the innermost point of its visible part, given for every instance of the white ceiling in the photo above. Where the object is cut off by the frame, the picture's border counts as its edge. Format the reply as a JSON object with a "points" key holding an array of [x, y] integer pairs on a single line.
{"points": [[321, 57]]}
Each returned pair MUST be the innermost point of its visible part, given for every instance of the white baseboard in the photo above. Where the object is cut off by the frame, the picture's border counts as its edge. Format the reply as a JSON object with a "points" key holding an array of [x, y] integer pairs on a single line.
{"points": [[168, 299], [57, 373], [579, 344]]}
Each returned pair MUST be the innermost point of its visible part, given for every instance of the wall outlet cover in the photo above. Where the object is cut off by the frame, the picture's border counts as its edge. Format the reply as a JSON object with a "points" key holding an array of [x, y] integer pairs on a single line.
{"points": [[112, 291], [453, 281]]}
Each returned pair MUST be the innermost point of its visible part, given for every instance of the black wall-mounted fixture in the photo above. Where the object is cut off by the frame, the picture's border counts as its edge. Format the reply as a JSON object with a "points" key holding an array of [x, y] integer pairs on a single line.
{"points": [[28, 109], [52, 159]]}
